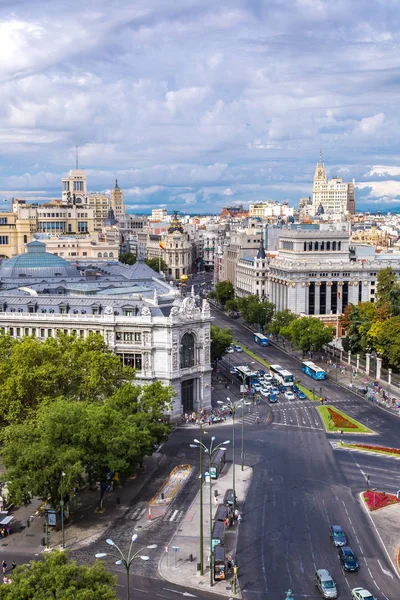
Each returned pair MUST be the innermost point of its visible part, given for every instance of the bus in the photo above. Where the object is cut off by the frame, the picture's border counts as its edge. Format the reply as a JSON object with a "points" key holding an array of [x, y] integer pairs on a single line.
{"points": [[312, 370], [282, 375], [261, 339], [246, 376]]}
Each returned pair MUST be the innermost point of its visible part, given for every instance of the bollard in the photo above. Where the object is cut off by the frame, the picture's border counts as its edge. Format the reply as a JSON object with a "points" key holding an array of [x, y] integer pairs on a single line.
{"points": [[28, 523], [118, 500], [198, 566], [190, 557]]}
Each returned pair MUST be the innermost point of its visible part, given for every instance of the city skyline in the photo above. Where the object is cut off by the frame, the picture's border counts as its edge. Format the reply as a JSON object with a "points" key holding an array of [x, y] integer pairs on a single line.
{"points": [[199, 106]]}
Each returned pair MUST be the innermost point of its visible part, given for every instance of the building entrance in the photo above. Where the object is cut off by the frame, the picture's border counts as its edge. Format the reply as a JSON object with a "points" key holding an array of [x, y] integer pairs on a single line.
{"points": [[187, 390]]}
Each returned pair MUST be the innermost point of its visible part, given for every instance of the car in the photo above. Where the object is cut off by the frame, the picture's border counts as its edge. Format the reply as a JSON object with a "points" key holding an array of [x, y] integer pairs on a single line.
{"points": [[295, 389], [301, 395], [274, 381], [348, 559], [264, 392], [272, 398], [233, 370], [281, 388], [359, 593], [325, 584], [230, 349], [337, 535], [267, 377], [274, 391], [238, 348], [266, 385], [289, 395], [256, 387], [260, 373]]}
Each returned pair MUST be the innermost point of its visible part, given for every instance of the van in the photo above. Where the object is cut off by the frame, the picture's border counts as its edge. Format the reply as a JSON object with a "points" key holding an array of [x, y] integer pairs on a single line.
{"points": [[325, 584]]}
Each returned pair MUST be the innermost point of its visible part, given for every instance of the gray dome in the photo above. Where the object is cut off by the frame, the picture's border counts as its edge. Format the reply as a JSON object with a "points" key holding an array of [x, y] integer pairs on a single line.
{"points": [[37, 263]]}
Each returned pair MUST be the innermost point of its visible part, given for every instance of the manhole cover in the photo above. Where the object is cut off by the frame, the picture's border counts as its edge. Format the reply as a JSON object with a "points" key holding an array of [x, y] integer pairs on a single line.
{"points": [[277, 479], [273, 535]]}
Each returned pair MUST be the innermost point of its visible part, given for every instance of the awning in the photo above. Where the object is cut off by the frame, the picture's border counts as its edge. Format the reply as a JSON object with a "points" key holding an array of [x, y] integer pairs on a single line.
{"points": [[6, 520]]}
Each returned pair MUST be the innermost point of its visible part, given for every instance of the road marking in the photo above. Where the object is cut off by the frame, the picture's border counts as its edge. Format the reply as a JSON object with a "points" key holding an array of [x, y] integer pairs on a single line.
{"points": [[385, 570], [174, 515], [137, 590], [179, 592]]}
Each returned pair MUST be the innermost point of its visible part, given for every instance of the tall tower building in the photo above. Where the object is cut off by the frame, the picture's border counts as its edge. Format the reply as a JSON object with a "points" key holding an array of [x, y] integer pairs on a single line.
{"points": [[74, 187], [332, 195], [117, 201]]}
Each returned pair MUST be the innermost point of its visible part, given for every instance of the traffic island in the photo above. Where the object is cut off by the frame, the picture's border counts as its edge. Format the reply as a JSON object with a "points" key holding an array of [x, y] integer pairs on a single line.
{"points": [[375, 500], [336, 421], [382, 450]]}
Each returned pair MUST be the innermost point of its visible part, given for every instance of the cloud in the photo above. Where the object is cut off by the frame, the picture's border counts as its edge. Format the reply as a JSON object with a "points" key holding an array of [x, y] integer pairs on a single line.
{"points": [[198, 102]]}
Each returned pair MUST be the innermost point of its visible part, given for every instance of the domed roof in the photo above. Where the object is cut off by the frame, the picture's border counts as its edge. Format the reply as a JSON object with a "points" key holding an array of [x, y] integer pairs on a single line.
{"points": [[37, 263], [176, 225]]}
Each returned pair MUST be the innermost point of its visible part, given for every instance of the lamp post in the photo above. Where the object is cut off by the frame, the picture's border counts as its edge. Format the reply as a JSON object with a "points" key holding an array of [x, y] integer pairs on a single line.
{"points": [[233, 406], [201, 480], [210, 451], [62, 510], [126, 560]]}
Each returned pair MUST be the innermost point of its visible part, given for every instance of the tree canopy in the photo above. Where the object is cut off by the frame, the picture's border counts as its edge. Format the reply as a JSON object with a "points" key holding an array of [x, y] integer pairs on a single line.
{"points": [[256, 312], [55, 576], [157, 264], [308, 333], [223, 292], [127, 258], [281, 319], [386, 281], [221, 339]]}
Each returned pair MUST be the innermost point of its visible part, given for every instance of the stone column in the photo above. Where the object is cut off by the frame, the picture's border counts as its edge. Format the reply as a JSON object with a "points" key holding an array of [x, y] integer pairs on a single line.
{"points": [[340, 300], [328, 297], [378, 367], [367, 363], [389, 376], [358, 362], [349, 358], [317, 298]]}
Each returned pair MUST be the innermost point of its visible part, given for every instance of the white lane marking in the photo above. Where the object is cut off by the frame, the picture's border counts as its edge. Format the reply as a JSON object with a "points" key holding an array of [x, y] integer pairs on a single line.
{"points": [[384, 570], [174, 515], [138, 590]]}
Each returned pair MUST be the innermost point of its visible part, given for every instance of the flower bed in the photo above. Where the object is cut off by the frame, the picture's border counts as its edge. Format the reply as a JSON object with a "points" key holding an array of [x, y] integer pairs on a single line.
{"points": [[375, 500], [340, 421], [381, 449]]}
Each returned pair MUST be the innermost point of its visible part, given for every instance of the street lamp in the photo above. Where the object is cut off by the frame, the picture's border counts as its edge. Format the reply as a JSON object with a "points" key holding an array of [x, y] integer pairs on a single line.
{"points": [[233, 406], [128, 559], [62, 510], [211, 451]]}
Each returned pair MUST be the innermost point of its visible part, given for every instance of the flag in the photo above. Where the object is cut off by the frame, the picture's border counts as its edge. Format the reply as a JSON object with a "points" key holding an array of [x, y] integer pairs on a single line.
{"points": [[162, 245], [338, 295]]}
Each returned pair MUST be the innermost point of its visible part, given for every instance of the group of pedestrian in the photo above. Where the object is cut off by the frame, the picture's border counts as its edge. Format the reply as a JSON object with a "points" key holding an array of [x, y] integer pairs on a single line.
{"points": [[4, 567], [5, 531], [231, 517]]}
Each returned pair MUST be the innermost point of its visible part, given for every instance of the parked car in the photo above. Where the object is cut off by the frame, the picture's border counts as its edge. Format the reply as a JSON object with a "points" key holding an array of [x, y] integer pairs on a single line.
{"points": [[230, 349], [289, 395], [281, 388], [238, 348], [337, 535], [295, 388], [301, 395], [348, 559], [359, 593], [325, 584]]}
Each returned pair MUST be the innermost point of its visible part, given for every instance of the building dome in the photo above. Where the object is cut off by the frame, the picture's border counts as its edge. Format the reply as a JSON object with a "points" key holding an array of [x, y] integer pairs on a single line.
{"points": [[176, 225], [37, 263]]}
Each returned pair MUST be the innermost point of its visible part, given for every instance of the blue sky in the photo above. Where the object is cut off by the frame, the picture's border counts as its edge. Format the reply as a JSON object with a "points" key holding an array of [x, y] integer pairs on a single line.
{"points": [[196, 104]]}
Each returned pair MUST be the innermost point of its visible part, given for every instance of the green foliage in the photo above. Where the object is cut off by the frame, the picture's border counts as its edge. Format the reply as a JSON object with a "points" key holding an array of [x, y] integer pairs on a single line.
{"points": [[34, 371], [388, 340], [394, 300], [308, 333], [157, 264], [282, 318], [386, 281], [127, 258], [55, 576], [231, 306], [221, 339], [255, 312], [224, 291], [361, 318]]}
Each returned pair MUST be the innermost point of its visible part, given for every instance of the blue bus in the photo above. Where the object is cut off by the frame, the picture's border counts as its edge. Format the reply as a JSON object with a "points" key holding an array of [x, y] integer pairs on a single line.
{"points": [[309, 368], [261, 339]]}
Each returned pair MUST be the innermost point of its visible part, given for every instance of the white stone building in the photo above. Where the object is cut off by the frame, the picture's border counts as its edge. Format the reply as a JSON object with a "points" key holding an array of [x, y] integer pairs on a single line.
{"points": [[333, 195]]}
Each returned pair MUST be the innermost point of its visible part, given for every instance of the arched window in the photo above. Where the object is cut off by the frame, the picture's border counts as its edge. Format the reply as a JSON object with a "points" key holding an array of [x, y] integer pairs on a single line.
{"points": [[111, 255], [187, 351], [333, 245], [105, 255], [328, 245], [99, 255]]}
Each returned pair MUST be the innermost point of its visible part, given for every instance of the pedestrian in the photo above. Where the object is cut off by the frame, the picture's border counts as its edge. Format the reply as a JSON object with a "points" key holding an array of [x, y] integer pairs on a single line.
{"points": [[13, 565], [4, 565], [239, 518], [226, 523]]}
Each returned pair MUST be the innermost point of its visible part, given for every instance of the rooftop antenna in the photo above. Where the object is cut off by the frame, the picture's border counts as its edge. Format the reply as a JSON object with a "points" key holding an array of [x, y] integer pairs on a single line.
{"points": [[76, 158], [321, 160]]}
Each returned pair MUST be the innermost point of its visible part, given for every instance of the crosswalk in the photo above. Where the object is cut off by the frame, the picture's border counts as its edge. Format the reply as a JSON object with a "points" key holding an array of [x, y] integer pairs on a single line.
{"points": [[172, 515], [301, 416]]}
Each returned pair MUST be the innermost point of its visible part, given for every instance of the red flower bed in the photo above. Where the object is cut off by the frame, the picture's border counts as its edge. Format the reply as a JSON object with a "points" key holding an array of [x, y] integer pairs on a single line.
{"points": [[340, 421], [377, 448], [375, 500]]}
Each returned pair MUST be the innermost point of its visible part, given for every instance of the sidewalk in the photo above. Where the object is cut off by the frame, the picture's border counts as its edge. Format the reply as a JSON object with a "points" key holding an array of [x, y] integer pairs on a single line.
{"points": [[86, 523], [176, 567], [386, 522]]}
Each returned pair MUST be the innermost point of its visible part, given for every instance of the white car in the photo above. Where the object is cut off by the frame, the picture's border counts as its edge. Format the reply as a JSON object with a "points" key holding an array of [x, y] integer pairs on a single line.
{"points": [[267, 377], [257, 387], [230, 349], [289, 396], [266, 385], [264, 392], [361, 594]]}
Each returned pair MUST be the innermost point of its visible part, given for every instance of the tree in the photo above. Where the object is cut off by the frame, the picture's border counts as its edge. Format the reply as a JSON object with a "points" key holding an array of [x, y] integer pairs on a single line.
{"points": [[221, 339], [55, 576], [282, 318], [231, 307], [256, 312], [308, 333], [386, 281], [388, 340], [224, 291], [127, 258], [394, 301], [157, 264]]}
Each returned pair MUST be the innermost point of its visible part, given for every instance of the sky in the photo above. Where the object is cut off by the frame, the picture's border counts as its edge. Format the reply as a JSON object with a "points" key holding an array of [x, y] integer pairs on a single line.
{"points": [[198, 104]]}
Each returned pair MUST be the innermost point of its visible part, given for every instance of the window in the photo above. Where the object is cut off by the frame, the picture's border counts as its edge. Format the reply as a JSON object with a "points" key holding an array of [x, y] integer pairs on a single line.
{"points": [[49, 333], [11, 331], [3, 221], [42, 333], [82, 226], [4, 240], [18, 331], [34, 331], [187, 351], [26, 330]]}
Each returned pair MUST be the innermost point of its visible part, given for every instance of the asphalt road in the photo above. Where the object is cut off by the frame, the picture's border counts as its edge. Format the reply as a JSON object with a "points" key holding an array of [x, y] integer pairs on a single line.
{"points": [[302, 484]]}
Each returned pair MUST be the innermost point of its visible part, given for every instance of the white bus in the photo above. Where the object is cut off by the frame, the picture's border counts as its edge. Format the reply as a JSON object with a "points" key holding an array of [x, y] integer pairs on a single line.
{"points": [[282, 375]]}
